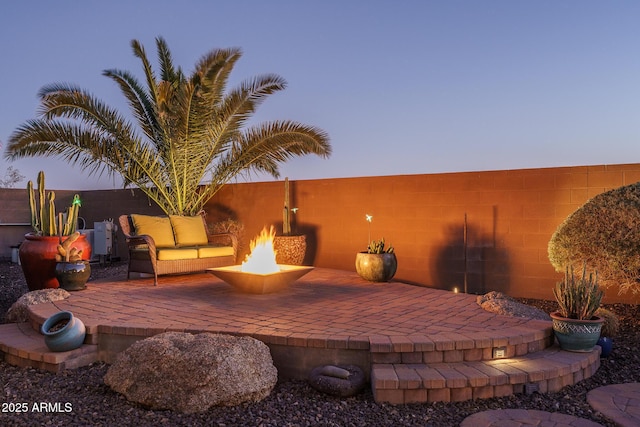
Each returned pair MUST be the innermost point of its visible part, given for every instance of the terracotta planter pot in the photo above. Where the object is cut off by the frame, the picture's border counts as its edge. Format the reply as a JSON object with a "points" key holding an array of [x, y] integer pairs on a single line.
{"points": [[38, 259], [376, 267], [291, 249], [576, 335]]}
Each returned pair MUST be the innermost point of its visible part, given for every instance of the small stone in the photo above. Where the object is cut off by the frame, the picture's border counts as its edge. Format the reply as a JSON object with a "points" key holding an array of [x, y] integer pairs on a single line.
{"points": [[499, 303], [330, 379]]}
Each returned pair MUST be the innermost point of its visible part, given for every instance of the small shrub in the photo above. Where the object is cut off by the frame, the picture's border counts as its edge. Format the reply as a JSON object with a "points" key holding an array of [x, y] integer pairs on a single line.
{"points": [[611, 322], [604, 232]]}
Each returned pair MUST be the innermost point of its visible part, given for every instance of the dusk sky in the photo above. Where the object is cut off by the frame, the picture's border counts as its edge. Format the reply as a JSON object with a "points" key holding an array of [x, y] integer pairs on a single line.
{"points": [[401, 87]]}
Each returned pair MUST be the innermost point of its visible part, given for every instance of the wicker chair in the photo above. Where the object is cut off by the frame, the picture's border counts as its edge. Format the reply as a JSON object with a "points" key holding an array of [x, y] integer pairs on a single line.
{"points": [[143, 253]]}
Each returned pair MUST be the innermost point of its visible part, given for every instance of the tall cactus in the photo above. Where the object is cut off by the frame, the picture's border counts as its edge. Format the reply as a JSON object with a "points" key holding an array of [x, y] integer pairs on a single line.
{"points": [[43, 213], [286, 212]]}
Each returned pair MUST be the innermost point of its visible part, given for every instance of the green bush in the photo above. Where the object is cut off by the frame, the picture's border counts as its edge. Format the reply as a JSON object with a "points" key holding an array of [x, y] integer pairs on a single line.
{"points": [[604, 233]]}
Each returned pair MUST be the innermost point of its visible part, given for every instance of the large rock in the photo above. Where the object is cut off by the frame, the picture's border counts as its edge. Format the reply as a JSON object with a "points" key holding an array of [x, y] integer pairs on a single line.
{"points": [[19, 311], [499, 303], [190, 373]]}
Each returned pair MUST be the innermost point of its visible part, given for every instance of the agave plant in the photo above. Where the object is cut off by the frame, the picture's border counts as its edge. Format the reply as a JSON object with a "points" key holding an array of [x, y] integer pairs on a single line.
{"points": [[190, 137]]}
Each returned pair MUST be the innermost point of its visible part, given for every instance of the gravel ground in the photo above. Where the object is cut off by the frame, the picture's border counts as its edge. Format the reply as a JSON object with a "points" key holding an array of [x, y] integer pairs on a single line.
{"points": [[80, 398]]}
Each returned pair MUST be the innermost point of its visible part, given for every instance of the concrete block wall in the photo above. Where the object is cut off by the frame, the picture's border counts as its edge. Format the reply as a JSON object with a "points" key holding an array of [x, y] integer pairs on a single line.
{"points": [[510, 217]]}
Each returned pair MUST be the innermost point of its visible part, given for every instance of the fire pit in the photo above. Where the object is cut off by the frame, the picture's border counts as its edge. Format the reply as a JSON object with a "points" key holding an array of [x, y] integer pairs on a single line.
{"points": [[259, 273]]}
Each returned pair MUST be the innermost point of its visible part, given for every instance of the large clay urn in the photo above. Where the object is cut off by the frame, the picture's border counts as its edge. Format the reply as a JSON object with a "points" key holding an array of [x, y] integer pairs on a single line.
{"points": [[38, 259]]}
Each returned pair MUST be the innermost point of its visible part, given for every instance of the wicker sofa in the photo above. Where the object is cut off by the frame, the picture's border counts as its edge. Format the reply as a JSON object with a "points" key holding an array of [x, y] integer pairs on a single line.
{"points": [[174, 244]]}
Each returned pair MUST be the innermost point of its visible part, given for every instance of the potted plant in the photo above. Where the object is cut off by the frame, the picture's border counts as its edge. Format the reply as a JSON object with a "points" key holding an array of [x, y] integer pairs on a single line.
{"points": [[38, 251], [575, 324], [290, 247], [377, 263], [72, 271]]}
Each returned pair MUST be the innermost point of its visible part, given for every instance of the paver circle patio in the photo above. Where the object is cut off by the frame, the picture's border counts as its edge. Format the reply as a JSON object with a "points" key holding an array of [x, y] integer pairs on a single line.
{"points": [[415, 344], [618, 402], [324, 305], [524, 417]]}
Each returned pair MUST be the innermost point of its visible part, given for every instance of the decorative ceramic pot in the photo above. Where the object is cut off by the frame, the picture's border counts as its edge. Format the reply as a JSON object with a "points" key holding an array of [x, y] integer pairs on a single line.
{"points": [[73, 276], [576, 335], [63, 332], [290, 249], [606, 344], [376, 267], [38, 259]]}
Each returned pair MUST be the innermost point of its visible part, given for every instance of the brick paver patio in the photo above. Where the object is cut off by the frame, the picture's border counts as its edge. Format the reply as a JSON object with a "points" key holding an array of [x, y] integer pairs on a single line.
{"points": [[416, 344]]}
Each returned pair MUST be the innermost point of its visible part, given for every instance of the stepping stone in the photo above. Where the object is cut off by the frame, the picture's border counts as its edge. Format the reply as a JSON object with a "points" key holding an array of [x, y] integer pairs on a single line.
{"points": [[618, 402], [524, 417]]}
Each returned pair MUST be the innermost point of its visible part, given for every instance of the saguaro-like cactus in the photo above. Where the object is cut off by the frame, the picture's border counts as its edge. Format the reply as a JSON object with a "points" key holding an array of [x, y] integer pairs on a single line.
{"points": [[44, 220], [286, 212]]}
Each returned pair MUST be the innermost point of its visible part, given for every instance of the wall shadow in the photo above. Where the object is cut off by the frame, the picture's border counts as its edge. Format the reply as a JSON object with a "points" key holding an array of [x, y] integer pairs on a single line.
{"points": [[487, 267]]}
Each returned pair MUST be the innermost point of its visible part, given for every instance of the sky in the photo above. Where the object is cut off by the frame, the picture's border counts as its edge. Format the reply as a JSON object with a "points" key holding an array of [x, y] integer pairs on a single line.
{"points": [[401, 87]]}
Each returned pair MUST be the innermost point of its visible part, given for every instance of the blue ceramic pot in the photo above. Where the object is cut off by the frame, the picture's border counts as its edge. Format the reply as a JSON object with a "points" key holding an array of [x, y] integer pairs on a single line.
{"points": [[63, 332], [606, 344]]}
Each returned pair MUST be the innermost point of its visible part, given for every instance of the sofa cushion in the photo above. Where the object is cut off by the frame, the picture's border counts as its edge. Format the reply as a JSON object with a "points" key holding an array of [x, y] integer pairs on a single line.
{"points": [[168, 254], [214, 251], [159, 228], [189, 230]]}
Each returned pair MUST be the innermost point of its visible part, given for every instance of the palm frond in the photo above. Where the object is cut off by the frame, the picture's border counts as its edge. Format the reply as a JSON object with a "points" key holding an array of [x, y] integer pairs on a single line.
{"points": [[190, 137]]}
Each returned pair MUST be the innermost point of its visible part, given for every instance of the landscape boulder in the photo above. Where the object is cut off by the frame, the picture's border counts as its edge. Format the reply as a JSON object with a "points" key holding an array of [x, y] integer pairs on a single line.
{"points": [[499, 303], [191, 373], [19, 311], [341, 381]]}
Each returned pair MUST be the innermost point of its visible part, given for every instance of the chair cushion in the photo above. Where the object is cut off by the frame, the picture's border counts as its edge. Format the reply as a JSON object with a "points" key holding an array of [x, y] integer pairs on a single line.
{"points": [[176, 254], [189, 230], [158, 227], [214, 251]]}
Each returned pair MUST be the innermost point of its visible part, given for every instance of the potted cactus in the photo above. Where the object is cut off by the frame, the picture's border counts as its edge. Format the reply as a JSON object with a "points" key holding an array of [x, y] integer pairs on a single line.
{"points": [[576, 324], [290, 247], [378, 263], [72, 271], [38, 251]]}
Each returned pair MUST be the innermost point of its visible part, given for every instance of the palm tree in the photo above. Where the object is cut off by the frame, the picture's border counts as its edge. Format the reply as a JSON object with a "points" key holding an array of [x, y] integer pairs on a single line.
{"points": [[191, 137]]}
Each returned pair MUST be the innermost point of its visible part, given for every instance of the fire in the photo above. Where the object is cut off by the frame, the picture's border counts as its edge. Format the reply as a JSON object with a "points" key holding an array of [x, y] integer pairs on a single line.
{"points": [[262, 258]]}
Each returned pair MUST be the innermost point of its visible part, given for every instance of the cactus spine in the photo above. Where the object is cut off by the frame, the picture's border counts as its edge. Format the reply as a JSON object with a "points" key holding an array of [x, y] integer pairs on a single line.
{"points": [[43, 213]]}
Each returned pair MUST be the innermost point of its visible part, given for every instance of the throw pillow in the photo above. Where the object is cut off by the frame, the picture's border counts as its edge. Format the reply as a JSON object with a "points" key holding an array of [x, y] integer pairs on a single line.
{"points": [[159, 228], [189, 230]]}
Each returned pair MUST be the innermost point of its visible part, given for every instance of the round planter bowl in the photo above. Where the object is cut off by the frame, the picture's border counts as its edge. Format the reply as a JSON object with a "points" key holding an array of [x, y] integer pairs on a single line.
{"points": [[376, 267], [576, 335], [65, 338], [73, 276], [606, 344]]}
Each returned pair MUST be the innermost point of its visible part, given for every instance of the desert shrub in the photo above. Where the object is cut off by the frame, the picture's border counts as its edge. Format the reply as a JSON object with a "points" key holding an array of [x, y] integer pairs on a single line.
{"points": [[611, 322], [604, 232]]}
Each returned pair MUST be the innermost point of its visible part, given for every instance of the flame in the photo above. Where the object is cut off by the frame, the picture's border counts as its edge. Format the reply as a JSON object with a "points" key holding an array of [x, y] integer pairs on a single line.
{"points": [[262, 258]]}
